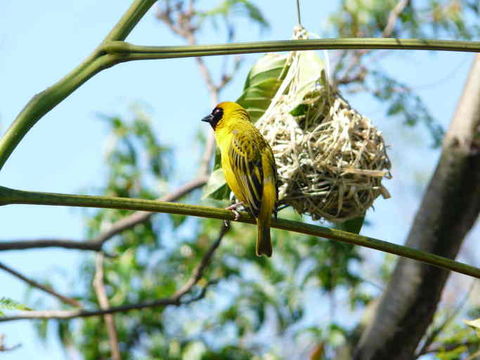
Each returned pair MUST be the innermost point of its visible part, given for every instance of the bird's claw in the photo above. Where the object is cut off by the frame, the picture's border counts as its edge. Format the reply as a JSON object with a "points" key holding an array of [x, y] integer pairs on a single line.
{"points": [[233, 208]]}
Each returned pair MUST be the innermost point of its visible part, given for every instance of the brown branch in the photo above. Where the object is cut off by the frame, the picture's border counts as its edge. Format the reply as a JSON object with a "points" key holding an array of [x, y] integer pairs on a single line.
{"points": [[358, 55], [141, 216], [128, 222], [4, 348], [176, 299], [47, 289], [393, 17], [448, 211], [99, 286], [47, 243]]}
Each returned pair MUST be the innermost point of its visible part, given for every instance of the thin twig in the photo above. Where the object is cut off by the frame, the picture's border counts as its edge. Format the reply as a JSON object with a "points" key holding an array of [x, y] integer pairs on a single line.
{"points": [[47, 289], [4, 348], [99, 286], [393, 17], [436, 331], [176, 299], [358, 55], [47, 243], [200, 268], [139, 217]]}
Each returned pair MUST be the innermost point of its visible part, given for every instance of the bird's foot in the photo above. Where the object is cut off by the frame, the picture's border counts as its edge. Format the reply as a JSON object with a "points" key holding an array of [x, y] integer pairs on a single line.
{"points": [[233, 208]]}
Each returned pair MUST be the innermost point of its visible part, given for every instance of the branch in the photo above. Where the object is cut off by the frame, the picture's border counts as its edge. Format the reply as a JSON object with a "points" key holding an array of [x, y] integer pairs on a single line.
{"points": [[45, 101], [448, 211], [11, 196], [115, 52], [99, 286], [46, 243], [393, 17], [47, 289], [142, 216], [175, 299], [97, 243], [125, 51], [4, 348]]}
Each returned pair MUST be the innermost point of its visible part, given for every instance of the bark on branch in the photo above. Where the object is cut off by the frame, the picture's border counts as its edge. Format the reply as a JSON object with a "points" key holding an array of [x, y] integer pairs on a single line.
{"points": [[448, 211]]}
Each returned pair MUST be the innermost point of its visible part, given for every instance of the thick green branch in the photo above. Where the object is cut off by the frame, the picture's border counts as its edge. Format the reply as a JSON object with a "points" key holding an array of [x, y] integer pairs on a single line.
{"points": [[136, 52], [45, 101], [11, 196], [128, 21], [113, 51]]}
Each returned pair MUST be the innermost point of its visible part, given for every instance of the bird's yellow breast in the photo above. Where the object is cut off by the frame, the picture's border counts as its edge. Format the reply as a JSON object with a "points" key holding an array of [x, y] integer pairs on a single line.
{"points": [[224, 137]]}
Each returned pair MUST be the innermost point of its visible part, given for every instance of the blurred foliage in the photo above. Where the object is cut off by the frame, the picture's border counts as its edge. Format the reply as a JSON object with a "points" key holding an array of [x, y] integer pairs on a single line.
{"points": [[285, 307], [446, 19], [10, 304], [452, 340]]}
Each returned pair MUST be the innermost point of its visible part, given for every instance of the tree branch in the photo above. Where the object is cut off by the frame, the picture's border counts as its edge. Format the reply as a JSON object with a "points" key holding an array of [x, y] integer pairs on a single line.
{"points": [[47, 243], [139, 217], [45, 101], [35, 284], [99, 286], [125, 51], [393, 17], [97, 243], [176, 299], [115, 52], [10, 196], [448, 211]]}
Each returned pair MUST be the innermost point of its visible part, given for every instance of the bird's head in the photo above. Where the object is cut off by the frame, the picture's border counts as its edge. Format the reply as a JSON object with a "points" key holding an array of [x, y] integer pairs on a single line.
{"points": [[223, 112]]}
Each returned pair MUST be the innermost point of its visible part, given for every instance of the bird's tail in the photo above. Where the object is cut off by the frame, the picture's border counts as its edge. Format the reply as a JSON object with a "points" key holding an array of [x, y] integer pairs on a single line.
{"points": [[264, 242]]}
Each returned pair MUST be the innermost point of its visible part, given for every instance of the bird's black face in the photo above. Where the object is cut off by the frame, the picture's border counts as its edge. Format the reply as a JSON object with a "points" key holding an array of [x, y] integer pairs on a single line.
{"points": [[214, 117]]}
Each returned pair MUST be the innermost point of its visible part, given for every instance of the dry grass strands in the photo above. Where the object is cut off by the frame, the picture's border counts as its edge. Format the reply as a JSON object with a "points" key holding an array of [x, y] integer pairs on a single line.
{"points": [[330, 159]]}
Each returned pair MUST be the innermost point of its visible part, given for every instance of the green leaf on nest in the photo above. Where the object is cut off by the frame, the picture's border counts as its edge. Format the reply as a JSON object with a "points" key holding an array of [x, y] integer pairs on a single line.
{"points": [[262, 83]]}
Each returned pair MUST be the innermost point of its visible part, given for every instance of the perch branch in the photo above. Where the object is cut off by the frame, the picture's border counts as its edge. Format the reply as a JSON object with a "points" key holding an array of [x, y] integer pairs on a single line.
{"points": [[97, 243], [11, 196]]}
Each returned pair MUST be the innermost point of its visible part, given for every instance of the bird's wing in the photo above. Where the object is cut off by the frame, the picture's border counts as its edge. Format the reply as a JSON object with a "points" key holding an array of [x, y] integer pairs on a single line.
{"points": [[245, 154]]}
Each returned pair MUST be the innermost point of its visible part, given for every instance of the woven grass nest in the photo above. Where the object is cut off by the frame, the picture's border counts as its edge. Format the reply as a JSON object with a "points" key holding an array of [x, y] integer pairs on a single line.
{"points": [[330, 159]]}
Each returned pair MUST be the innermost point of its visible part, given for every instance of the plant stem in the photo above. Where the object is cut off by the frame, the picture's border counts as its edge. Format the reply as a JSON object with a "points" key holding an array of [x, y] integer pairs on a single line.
{"points": [[45, 101], [136, 52], [11, 196]]}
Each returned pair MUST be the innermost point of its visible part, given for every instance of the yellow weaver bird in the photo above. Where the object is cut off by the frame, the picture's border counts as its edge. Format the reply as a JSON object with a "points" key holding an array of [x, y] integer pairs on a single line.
{"points": [[248, 165]]}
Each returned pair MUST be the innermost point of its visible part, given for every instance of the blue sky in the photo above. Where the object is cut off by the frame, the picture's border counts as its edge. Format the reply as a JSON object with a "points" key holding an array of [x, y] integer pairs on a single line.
{"points": [[43, 41]]}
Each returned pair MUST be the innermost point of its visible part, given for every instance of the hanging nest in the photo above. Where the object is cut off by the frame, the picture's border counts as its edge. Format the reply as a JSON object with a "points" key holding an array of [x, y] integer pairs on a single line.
{"points": [[330, 158]]}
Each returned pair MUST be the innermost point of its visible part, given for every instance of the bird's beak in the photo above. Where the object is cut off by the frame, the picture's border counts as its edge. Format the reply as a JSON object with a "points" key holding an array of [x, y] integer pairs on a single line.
{"points": [[208, 118]]}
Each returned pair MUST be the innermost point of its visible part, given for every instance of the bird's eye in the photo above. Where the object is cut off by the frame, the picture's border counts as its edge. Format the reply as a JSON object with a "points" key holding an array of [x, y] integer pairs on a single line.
{"points": [[217, 114]]}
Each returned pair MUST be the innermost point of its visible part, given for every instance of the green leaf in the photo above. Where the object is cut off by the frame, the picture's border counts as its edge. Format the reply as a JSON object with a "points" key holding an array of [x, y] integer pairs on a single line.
{"points": [[353, 225], [241, 7], [216, 187], [262, 83], [9, 304]]}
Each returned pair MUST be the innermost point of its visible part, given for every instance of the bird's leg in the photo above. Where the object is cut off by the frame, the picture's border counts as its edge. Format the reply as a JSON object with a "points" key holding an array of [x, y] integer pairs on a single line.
{"points": [[233, 208]]}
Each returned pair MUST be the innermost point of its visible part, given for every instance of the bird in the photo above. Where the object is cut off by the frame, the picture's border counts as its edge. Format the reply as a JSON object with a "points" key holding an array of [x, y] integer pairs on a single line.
{"points": [[249, 167]]}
